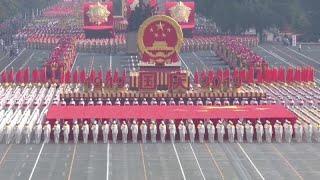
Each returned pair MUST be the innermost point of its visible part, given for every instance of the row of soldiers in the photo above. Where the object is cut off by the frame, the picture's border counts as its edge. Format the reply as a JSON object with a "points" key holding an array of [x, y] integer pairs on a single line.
{"points": [[223, 129], [107, 46]]}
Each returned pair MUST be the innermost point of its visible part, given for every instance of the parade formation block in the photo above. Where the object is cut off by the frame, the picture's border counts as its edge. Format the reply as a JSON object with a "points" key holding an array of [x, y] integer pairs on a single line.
{"points": [[98, 20]]}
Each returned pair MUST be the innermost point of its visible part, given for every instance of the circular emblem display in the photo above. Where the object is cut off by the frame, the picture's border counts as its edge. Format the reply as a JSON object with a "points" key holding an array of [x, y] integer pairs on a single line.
{"points": [[98, 14], [160, 39]]}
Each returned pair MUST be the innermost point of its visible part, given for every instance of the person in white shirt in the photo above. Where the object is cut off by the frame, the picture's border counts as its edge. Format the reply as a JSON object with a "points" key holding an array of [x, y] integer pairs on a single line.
{"points": [[85, 132], [56, 132], [134, 130], [249, 131], [278, 129], [201, 131], [192, 131], [220, 131], [153, 131], [66, 131], [75, 131], [46, 132], [144, 131], [124, 131], [114, 130], [268, 131], [182, 131], [259, 131], [105, 131], [95, 132], [298, 131], [163, 131], [240, 131], [231, 131], [172, 130]]}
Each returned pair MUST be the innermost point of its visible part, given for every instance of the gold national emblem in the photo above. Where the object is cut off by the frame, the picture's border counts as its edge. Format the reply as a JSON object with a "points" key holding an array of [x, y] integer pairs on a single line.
{"points": [[180, 12], [98, 13]]}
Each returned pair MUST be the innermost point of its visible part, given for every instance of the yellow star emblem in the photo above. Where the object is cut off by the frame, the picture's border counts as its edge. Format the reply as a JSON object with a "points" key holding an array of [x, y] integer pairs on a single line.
{"points": [[98, 14], [180, 12]]}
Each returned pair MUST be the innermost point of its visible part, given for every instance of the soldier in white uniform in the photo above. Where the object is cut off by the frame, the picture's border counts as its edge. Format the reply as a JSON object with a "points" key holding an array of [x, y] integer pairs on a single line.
{"points": [[124, 131], [220, 131], [163, 102], [7, 132], [46, 132], [56, 132], [208, 102], [259, 131], [201, 131], [126, 102], [317, 133], [114, 130], [249, 131], [182, 131], [66, 131], [143, 130], [81, 102], [144, 102], [117, 102], [278, 130], [173, 131], [211, 131], [172, 102], [105, 131], [308, 132], [192, 131], [108, 102], [288, 131], [17, 133], [37, 132], [95, 131], [85, 132], [189, 102], [72, 102], [231, 131], [134, 130], [163, 131], [181, 102], [199, 102], [99, 102], [90, 102], [153, 131], [135, 102], [154, 102], [268, 131], [298, 131], [75, 131], [240, 131]]}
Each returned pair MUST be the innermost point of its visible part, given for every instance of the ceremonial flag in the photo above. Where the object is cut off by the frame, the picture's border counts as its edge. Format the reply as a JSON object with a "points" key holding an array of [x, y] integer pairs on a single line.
{"points": [[4, 76], [11, 76], [226, 74], [281, 74], [259, 76], [115, 76], [75, 78], [289, 75], [92, 75], [297, 74], [275, 74], [26, 75], [242, 75], [100, 74], [204, 78], [19, 76], [311, 74], [68, 77], [109, 78], [83, 76], [43, 75], [35, 76], [250, 75], [196, 77], [211, 75]]}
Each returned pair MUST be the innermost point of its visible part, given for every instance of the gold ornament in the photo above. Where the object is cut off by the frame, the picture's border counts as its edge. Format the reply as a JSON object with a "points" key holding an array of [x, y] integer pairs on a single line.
{"points": [[98, 14], [180, 12]]}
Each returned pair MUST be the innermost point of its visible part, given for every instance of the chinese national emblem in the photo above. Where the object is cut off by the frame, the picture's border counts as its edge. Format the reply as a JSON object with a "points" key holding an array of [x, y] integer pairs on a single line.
{"points": [[98, 14], [159, 40], [180, 12]]}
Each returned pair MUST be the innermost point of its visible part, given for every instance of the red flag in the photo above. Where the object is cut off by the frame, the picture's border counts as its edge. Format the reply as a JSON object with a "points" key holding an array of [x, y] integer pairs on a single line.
{"points": [[19, 76], [75, 75], [92, 76], [43, 75], [281, 74], [35, 76], [297, 74], [4, 76], [115, 76], [289, 75], [68, 77], [311, 74], [210, 76], [62, 77], [242, 75], [250, 75], [259, 76], [10, 76], [83, 76], [196, 77], [275, 74], [100, 74], [109, 78], [226, 74], [26, 75]]}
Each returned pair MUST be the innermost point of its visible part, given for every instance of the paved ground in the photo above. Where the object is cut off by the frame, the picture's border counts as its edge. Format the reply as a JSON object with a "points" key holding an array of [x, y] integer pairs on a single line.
{"points": [[160, 161]]}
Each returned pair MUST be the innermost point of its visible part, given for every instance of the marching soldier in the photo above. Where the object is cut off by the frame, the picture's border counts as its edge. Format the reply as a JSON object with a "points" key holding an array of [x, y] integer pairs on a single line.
{"points": [[144, 130], [192, 131], [173, 131], [211, 131], [85, 132], [199, 102], [75, 131], [66, 131], [134, 130], [37, 132], [182, 131], [7, 131], [298, 131], [220, 131], [105, 131], [17, 133], [249, 131], [288, 131], [163, 102], [278, 129], [231, 131], [201, 131], [240, 131], [172, 102], [181, 102], [95, 131], [144, 102], [208, 102], [189, 102], [308, 132], [268, 131], [46, 132], [163, 131], [153, 131], [317, 133], [114, 130], [124, 131], [259, 131], [56, 132]]}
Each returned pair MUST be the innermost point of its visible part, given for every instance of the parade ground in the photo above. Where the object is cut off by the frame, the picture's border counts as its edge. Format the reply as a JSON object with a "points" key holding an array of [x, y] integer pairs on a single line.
{"points": [[162, 161]]}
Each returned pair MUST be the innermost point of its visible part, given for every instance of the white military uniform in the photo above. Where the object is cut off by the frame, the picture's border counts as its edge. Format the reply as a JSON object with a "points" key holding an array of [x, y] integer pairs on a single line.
{"points": [[288, 131], [268, 132], [163, 132], [7, 132], [298, 131], [105, 131], [85, 132], [249, 132], [317, 133], [66, 131], [308, 132], [46, 132], [56, 132], [144, 130], [134, 130], [95, 131], [221, 131], [278, 130], [192, 131], [201, 131], [124, 131], [211, 131], [259, 131], [17, 133], [182, 131], [231, 131], [75, 131], [114, 130], [37, 133], [153, 131], [173, 131], [240, 131]]}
